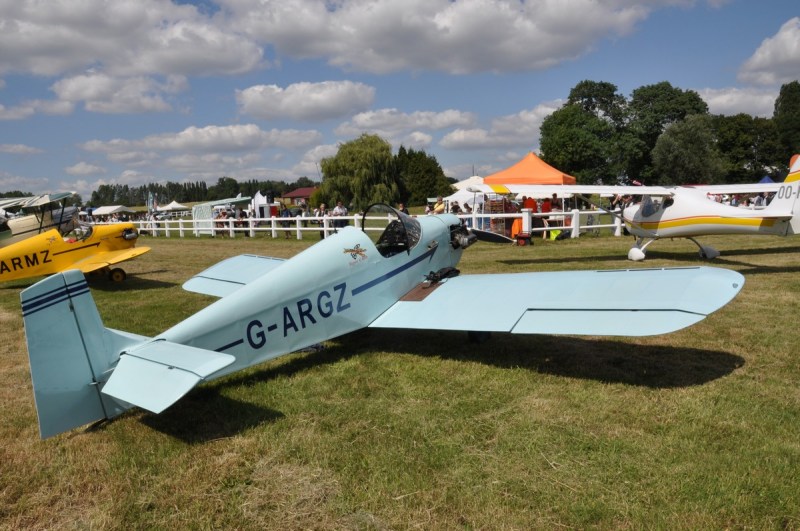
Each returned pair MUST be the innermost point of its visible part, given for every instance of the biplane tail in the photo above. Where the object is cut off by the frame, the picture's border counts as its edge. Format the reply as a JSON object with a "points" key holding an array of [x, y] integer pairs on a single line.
{"points": [[70, 353], [83, 372]]}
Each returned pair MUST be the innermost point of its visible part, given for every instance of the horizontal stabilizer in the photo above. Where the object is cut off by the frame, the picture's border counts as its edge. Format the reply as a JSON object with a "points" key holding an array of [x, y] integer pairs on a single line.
{"points": [[637, 302], [156, 374], [231, 274]]}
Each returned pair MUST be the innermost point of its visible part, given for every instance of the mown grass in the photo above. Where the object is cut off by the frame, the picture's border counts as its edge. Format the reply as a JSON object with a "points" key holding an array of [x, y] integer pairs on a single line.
{"points": [[398, 429]]}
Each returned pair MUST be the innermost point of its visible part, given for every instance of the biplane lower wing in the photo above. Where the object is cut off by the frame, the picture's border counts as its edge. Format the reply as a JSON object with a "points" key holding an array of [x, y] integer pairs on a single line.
{"points": [[637, 302], [108, 258], [229, 275]]}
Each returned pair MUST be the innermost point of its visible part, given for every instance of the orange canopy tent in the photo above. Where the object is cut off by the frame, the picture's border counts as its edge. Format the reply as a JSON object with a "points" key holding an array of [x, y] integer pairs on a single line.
{"points": [[530, 170]]}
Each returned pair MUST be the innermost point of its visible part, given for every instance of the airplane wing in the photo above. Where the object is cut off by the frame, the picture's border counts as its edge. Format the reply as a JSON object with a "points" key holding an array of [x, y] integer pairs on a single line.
{"points": [[231, 274], [753, 188], [562, 190], [105, 259], [35, 200], [636, 302]]}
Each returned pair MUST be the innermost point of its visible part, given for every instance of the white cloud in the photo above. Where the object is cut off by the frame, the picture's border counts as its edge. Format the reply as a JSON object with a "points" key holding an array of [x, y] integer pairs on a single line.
{"points": [[30, 107], [124, 38], [519, 130], [19, 149], [731, 101], [468, 36], [305, 101], [777, 60], [84, 168], [107, 94], [211, 138], [394, 124], [9, 181], [203, 152], [309, 163]]}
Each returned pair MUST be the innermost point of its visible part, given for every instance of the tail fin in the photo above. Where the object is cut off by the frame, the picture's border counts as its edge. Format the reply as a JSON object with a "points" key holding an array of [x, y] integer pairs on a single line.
{"points": [[84, 372], [70, 353], [787, 198], [794, 169]]}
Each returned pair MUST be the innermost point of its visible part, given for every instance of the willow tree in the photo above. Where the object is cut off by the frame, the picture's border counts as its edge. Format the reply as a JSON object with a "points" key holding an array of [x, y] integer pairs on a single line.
{"points": [[362, 172]]}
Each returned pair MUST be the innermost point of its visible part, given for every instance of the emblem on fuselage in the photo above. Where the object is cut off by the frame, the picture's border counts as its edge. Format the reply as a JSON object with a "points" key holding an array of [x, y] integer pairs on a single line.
{"points": [[356, 252]]}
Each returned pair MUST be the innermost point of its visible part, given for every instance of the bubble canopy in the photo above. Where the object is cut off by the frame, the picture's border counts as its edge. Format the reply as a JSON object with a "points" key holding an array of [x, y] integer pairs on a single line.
{"points": [[401, 234]]}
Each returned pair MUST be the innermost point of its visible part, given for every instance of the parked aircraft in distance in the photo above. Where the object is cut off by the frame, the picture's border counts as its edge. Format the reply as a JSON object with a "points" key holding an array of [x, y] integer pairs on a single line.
{"points": [[687, 212], [92, 248], [396, 275], [23, 217]]}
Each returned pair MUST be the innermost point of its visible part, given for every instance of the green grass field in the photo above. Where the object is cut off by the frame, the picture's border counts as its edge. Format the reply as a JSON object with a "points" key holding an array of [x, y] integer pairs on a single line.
{"points": [[699, 429]]}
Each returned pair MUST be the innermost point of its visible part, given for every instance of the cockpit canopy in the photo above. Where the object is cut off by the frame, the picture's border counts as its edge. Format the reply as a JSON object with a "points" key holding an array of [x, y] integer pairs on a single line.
{"points": [[401, 233]]}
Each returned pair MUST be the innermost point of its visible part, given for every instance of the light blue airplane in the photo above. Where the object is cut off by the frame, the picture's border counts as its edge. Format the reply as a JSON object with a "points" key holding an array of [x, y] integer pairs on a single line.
{"points": [[400, 275]]}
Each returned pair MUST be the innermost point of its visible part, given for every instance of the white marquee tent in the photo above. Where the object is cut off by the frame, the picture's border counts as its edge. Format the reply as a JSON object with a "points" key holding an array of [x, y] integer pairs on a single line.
{"points": [[109, 210]]}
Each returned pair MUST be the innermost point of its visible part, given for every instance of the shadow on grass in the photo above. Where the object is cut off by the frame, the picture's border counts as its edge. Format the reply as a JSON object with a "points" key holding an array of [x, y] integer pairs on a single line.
{"points": [[653, 253], [204, 415], [133, 282], [603, 360], [101, 281]]}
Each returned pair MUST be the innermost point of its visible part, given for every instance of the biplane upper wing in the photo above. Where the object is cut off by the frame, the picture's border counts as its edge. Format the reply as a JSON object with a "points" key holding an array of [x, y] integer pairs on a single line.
{"points": [[637, 302], [107, 258], [35, 200], [229, 275]]}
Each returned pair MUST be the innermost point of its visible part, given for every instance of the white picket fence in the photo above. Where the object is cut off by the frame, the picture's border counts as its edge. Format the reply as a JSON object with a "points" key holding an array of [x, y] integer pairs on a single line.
{"points": [[575, 221]]}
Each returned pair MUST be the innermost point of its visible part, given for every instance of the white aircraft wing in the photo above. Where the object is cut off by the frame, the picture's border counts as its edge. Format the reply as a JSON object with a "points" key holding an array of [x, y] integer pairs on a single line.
{"points": [[563, 190], [753, 188], [637, 302], [231, 274]]}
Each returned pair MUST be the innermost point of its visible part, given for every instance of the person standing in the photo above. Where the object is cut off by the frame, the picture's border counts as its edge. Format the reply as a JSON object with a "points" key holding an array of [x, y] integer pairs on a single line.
{"points": [[320, 212], [438, 207]]}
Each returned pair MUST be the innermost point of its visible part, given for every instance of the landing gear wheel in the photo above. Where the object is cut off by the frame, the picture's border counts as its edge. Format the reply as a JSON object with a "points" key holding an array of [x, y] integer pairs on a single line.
{"points": [[117, 275]]}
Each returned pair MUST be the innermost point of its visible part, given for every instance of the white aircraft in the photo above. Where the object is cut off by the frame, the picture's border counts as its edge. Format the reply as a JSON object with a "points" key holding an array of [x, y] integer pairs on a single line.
{"points": [[687, 212], [23, 217], [401, 275]]}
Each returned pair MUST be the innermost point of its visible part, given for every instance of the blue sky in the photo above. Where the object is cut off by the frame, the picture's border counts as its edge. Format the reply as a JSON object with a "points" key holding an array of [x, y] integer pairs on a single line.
{"points": [[136, 91]]}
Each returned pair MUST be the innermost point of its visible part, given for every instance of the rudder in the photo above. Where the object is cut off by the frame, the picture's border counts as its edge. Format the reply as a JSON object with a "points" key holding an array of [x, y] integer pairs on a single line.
{"points": [[69, 351]]}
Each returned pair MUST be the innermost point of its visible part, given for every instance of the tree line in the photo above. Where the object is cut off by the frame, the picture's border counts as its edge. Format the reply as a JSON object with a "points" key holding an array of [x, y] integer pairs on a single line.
{"points": [[363, 171], [665, 135]]}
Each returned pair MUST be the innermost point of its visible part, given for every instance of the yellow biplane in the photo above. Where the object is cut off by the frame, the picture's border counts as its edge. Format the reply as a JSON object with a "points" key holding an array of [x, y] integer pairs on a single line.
{"points": [[90, 248]]}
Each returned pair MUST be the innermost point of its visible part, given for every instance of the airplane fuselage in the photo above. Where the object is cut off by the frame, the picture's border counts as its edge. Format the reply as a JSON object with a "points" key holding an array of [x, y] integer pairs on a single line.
{"points": [[49, 252], [690, 213], [335, 287]]}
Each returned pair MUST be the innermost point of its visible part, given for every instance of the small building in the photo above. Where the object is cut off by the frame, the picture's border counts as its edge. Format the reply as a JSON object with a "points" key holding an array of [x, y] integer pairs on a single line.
{"points": [[299, 196]]}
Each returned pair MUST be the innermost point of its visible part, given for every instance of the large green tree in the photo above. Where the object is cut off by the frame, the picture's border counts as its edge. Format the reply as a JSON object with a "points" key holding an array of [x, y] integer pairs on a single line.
{"points": [[577, 142], [686, 153], [749, 146], [601, 99], [362, 172], [787, 118], [421, 175], [650, 110]]}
